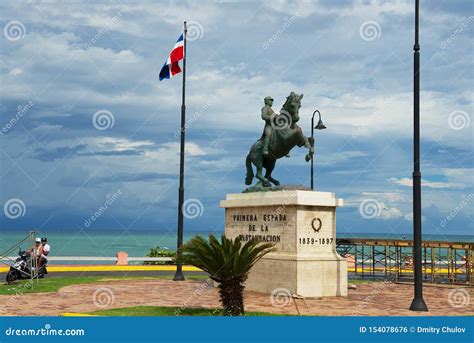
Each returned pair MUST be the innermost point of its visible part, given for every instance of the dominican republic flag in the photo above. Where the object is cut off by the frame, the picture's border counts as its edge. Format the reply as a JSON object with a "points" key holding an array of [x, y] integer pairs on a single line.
{"points": [[171, 67]]}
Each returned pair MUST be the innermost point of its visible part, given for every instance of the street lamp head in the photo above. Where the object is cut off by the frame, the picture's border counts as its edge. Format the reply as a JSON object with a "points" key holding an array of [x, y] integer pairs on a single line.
{"points": [[319, 125]]}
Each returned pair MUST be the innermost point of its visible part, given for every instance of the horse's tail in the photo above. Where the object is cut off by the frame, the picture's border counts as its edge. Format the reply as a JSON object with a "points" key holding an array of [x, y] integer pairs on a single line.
{"points": [[249, 176]]}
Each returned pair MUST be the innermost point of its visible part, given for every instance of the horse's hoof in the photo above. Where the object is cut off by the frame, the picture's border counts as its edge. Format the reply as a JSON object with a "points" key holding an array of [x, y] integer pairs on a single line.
{"points": [[276, 183], [267, 184], [248, 182]]}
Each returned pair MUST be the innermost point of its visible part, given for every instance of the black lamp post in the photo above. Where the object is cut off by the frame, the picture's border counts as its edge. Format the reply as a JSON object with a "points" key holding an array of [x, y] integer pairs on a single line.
{"points": [[319, 126], [418, 304]]}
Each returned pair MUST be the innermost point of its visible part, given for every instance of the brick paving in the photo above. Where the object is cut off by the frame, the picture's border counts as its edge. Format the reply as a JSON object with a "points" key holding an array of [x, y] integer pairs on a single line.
{"points": [[369, 299]]}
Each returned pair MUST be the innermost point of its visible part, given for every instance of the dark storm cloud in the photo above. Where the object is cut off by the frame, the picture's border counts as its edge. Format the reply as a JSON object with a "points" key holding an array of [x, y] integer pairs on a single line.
{"points": [[75, 60]]}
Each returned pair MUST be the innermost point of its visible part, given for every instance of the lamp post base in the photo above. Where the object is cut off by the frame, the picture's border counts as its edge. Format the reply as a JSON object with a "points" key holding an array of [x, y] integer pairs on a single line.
{"points": [[418, 304], [179, 276]]}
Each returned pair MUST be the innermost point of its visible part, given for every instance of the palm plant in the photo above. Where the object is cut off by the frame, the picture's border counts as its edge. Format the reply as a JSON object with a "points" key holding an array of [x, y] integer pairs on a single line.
{"points": [[228, 262]]}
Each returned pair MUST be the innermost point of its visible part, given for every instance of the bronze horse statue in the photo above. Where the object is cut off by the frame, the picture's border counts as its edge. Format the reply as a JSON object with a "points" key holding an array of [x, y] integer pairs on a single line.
{"points": [[285, 136]]}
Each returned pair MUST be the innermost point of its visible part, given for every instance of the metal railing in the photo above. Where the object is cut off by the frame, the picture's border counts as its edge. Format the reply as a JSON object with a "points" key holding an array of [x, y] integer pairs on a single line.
{"points": [[442, 262]]}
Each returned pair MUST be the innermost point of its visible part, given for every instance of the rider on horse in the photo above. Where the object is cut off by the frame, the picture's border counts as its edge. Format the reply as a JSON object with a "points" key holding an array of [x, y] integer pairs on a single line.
{"points": [[276, 141], [267, 115]]}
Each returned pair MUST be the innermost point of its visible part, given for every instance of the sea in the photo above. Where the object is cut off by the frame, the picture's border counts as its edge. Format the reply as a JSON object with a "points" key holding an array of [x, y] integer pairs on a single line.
{"points": [[137, 243]]}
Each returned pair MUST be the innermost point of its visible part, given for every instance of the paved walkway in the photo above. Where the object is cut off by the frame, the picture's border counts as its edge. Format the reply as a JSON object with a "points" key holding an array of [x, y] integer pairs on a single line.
{"points": [[372, 299]]}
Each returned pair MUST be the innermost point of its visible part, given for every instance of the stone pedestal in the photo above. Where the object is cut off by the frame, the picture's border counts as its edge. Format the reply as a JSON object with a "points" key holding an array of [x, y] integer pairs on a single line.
{"points": [[302, 224]]}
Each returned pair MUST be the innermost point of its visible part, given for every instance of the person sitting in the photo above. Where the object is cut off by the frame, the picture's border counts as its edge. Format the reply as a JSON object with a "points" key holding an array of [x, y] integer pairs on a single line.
{"points": [[45, 249], [36, 251], [36, 248]]}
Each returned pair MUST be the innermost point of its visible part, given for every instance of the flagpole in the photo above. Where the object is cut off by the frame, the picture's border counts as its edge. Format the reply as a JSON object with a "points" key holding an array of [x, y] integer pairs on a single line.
{"points": [[179, 276]]}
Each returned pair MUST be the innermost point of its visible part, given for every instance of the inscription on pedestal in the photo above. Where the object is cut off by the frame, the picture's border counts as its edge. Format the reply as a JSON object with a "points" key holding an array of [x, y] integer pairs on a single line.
{"points": [[276, 224], [302, 226], [316, 230], [267, 224]]}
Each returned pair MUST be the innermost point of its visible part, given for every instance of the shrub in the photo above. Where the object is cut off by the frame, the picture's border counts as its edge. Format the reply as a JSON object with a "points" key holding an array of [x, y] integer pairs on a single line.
{"points": [[160, 252]]}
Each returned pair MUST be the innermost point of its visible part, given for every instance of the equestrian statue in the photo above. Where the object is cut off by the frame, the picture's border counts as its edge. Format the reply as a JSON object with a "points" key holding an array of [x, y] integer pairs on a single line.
{"points": [[280, 135]]}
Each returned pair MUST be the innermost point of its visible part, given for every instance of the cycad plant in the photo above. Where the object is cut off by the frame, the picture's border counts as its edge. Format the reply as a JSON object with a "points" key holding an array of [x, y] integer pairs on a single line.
{"points": [[228, 262]]}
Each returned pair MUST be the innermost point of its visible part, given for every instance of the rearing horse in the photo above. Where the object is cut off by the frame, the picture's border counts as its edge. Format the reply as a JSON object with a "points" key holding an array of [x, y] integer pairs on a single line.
{"points": [[285, 136]]}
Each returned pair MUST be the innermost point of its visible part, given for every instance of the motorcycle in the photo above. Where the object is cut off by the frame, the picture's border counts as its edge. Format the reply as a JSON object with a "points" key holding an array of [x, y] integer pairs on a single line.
{"points": [[20, 269]]}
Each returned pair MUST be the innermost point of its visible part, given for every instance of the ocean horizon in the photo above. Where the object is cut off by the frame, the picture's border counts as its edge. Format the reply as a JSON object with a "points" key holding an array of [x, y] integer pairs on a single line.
{"points": [[138, 243]]}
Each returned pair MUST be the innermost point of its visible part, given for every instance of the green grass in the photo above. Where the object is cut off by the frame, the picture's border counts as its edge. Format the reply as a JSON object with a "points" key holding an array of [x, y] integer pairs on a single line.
{"points": [[54, 284], [153, 311]]}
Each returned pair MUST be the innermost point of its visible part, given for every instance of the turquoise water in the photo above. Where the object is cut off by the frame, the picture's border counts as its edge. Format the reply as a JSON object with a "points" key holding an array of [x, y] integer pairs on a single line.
{"points": [[100, 243], [138, 243]]}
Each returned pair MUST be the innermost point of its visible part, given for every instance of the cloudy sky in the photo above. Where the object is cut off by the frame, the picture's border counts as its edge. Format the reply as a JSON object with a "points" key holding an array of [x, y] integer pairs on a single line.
{"points": [[86, 122]]}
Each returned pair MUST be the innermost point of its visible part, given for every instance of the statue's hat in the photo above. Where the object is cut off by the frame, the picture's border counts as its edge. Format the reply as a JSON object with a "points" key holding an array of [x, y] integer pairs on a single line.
{"points": [[268, 98]]}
